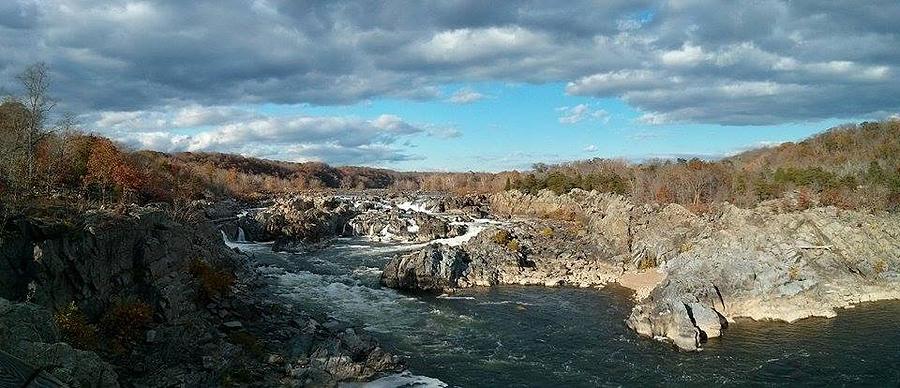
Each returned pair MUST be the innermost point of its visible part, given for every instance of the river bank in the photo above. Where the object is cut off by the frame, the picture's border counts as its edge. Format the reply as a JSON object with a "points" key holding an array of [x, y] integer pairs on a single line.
{"points": [[315, 305]]}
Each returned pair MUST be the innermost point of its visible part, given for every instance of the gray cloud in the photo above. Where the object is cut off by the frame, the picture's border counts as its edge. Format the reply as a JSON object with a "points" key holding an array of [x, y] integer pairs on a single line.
{"points": [[338, 140], [760, 62]]}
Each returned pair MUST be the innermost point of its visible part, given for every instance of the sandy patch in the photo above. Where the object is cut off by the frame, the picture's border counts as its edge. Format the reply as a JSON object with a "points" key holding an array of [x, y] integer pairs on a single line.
{"points": [[642, 282]]}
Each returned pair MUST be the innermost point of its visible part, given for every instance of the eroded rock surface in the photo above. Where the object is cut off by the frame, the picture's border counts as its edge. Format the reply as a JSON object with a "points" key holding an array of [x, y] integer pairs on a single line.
{"points": [[769, 262]]}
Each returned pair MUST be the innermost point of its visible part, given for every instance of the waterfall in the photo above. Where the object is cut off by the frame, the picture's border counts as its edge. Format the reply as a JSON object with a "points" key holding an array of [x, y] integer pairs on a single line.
{"points": [[227, 242], [240, 235]]}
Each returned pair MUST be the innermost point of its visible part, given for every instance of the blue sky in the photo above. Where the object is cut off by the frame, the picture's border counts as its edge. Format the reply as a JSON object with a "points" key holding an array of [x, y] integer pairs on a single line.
{"points": [[515, 125], [458, 85]]}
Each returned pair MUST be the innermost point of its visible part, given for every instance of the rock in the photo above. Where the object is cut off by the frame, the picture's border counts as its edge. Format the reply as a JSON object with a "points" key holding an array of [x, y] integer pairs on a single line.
{"points": [[232, 325], [150, 336], [28, 333], [435, 267], [142, 253], [769, 262], [528, 255], [304, 219], [707, 320]]}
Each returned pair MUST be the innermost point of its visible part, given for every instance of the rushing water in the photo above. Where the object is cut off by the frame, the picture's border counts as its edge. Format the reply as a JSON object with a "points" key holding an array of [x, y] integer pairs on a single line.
{"points": [[534, 336]]}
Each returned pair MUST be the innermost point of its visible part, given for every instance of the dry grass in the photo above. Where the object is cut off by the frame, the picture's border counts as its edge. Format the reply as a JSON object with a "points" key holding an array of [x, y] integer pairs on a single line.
{"points": [[214, 283], [125, 322], [75, 329]]}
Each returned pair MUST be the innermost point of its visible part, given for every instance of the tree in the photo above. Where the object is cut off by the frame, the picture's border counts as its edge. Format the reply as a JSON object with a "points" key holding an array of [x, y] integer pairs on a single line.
{"points": [[102, 166], [38, 104]]}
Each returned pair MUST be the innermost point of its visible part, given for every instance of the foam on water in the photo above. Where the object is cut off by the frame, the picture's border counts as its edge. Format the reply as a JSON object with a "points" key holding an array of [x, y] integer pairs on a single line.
{"points": [[399, 380], [414, 206]]}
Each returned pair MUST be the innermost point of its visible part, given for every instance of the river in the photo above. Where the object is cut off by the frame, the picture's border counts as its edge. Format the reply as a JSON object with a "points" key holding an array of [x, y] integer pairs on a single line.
{"points": [[541, 337]]}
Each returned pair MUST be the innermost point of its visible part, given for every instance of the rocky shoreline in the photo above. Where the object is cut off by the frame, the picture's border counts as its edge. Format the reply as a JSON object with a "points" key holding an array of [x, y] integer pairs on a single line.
{"points": [[199, 313], [143, 298], [692, 273]]}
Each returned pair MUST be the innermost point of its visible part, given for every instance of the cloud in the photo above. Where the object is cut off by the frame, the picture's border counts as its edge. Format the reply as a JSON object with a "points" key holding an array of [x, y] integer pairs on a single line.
{"points": [[581, 112], [590, 148], [702, 61], [465, 96], [337, 140]]}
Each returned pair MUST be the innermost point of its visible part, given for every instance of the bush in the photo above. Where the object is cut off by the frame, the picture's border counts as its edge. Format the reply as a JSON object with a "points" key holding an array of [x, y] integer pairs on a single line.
{"points": [[547, 232], [561, 215], [502, 237], [126, 321], [75, 329], [513, 245], [249, 342], [213, 283], [880, 266], [647, 262]]}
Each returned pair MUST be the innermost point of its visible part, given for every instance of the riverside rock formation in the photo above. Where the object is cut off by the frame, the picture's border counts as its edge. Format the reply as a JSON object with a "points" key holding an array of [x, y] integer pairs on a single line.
{"points": [[210, 319], [525, 253], [693, 273], [297, 220], [405, 226]]}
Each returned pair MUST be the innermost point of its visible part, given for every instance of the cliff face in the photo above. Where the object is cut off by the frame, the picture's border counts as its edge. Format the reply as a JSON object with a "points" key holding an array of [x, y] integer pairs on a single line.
{"points": [[211, 318], [142, 254], [766, 265]]}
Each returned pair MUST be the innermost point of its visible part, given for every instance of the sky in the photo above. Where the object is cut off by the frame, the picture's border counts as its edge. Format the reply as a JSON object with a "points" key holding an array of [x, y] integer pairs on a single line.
{"points": [[459, 85]]}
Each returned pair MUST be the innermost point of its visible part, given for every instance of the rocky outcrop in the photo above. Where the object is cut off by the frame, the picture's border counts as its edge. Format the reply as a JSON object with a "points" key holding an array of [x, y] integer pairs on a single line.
{"points": [[770, 262], [787, 266], [143, 253], [27, 332], [605, 218], [524, 253], [436, 267], [212, 326], [403, 226], [293, 222]]}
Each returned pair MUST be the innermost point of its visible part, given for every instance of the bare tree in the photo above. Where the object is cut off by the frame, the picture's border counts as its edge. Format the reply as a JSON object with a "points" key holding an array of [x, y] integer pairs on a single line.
{"points": [[36, 81]]}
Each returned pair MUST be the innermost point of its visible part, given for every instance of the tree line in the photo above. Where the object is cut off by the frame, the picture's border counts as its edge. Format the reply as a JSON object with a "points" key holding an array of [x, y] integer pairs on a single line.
{"points": [[50, 158]]}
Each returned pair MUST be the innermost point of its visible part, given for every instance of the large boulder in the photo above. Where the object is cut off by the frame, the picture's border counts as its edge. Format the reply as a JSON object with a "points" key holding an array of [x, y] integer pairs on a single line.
{"points": [[436, 267], [293, 221]]}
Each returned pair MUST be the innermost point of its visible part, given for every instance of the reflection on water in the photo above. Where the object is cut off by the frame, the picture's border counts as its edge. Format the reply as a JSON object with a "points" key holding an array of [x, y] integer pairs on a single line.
{"points": [[533, 336]]}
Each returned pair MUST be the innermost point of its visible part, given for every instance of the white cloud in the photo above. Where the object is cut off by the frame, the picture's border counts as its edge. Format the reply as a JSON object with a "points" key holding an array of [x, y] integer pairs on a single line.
{"points": [[469, 44], [465, 96], [581, 112], [332, 139], [688, 55], [590, 148]]}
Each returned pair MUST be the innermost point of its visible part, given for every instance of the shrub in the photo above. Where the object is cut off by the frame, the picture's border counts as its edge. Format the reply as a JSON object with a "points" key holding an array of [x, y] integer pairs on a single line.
{"points": [[249, 342], [794, 273], [75, 329], [561, 215], [126, 321], [647, 262], [213, 283], [513, 245], [880, 266], [547, 232], [502, 237], [837, 198]]}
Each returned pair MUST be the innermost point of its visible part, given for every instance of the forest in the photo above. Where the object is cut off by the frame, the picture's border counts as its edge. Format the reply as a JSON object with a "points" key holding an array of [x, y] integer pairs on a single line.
{"points": [[55, 160]]}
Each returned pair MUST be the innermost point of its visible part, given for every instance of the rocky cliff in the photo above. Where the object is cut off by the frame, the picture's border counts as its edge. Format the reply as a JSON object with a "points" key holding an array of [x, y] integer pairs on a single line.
{"points": [[694, 273], [152, 297]]}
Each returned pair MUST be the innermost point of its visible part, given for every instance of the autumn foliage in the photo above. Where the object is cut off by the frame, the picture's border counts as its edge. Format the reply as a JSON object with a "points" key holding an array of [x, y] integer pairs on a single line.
{"points": [[851, 167]]}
